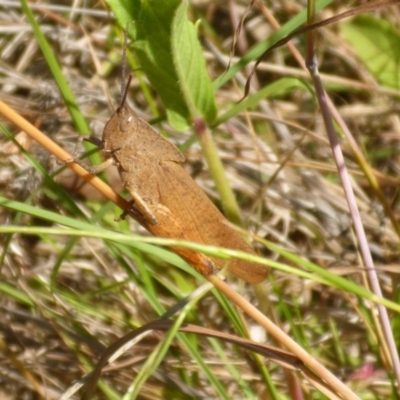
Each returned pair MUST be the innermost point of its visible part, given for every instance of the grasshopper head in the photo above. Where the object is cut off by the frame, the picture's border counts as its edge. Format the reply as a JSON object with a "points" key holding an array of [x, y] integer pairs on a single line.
{"points": [[120, 129], [122, 126]]}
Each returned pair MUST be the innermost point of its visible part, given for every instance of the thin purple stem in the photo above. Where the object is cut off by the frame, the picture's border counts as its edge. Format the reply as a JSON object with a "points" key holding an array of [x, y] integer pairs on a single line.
{"points": [[324, 104]]}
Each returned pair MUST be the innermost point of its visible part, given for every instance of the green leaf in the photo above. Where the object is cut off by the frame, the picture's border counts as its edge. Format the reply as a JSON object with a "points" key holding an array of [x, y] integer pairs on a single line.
{"points": [[163, 58], [377, 44], [124, 10], [151, 41], [191, 67]]}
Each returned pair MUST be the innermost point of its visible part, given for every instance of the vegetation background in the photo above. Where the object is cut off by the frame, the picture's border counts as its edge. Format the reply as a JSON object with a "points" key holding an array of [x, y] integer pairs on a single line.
{"points": [[67, 295]]}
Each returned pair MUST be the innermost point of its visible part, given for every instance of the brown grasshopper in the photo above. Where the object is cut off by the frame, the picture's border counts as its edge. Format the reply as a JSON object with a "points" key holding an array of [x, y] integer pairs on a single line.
{"points": [[165, 199]]}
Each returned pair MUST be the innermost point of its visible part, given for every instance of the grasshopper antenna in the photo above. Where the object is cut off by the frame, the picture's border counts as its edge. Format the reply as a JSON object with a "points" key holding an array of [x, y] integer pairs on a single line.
{"points": [[124, 86], [124, 93]]}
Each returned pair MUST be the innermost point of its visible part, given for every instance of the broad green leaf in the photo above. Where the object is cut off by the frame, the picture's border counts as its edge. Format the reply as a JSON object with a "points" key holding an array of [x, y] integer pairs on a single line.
{"points": [[124, 10], [153, 50], [151, 40], [377, 44], [164, 59], [190, 65]]}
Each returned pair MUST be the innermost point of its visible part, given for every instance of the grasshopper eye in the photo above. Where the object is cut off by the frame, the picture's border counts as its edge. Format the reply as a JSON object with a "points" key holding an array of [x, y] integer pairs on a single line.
{"points": [[127, 123]]}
